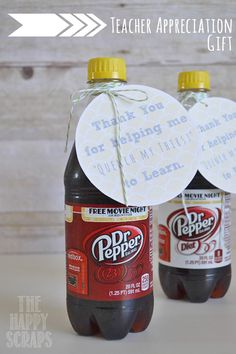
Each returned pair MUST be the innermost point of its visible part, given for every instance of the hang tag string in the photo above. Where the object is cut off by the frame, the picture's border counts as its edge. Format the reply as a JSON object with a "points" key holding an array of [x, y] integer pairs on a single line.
{"points": [[185, 208], [186, 98], [113, 91]]}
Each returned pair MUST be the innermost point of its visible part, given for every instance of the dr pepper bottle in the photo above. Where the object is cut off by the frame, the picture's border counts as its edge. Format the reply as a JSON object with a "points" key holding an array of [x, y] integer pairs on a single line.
{"points": [[108, 245], [195, 249]]}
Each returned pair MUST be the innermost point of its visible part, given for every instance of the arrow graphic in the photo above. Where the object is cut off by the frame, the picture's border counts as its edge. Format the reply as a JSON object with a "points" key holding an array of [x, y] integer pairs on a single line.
{"points": [[53, 25], [90, 25], [101, 25], [76, 25]]}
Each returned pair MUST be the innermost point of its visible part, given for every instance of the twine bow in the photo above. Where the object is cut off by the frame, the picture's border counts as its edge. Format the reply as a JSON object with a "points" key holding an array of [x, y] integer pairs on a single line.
{"points": [[113, 90]]}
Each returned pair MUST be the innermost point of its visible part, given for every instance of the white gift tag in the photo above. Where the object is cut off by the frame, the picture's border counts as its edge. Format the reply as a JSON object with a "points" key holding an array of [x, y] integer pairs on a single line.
{"points": [[158, 146], [215, 119]]}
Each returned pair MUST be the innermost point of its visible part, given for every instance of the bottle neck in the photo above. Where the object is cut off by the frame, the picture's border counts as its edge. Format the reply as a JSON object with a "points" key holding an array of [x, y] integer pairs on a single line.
{"points": [[189, 98], [105, 84]]}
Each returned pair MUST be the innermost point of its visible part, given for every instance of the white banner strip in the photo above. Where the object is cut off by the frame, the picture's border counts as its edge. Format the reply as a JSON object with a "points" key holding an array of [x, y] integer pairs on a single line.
{"points": [[53, 25]]}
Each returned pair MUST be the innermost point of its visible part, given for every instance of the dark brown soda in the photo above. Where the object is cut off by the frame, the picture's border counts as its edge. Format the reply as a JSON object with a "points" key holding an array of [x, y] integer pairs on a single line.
{"points": [[197, 285], [112, 319]]}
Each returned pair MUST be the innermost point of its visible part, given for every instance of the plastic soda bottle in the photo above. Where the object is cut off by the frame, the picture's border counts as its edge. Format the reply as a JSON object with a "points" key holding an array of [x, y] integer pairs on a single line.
{"points": [[194, 227], [108, 245]]}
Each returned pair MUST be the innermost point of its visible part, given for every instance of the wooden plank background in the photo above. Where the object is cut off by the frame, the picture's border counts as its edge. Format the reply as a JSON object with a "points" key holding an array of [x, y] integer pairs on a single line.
{"points": [[37, 76]]}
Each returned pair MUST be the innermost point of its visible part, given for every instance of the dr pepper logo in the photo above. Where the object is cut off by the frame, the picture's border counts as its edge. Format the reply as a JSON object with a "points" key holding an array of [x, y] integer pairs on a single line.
{"points": [[201, 223], [118, 245]]}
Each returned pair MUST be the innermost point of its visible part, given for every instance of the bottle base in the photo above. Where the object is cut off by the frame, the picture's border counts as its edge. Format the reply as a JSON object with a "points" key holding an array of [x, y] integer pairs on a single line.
{"points": [[195, 285], [111, 320]]}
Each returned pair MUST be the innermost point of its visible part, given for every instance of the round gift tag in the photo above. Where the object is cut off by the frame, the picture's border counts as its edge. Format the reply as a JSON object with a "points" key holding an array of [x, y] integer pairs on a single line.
{"points": [[142, 152], [215, 120]]}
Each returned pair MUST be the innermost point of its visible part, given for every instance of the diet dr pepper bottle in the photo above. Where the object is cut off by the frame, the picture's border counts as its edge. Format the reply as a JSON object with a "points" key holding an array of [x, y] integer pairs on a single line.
{"points": [[195, 249], [108, 245]]}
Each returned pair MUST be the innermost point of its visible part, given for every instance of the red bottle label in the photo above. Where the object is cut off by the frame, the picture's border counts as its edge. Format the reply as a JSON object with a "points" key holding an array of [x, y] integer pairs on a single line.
{"points": [[164, 243], [109, 251]]}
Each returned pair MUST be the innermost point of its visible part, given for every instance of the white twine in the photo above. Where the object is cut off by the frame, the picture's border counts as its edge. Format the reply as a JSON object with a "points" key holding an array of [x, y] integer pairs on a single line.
{"points": [[185, 207], [109, 88], [188, 99]]}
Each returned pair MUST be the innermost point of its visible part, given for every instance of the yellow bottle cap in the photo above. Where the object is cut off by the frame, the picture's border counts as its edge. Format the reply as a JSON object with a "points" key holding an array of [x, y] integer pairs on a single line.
{"points": [[106, 68], [194, 80]]}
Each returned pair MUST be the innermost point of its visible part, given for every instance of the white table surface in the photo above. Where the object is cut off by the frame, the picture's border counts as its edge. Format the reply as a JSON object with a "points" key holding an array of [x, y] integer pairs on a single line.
{"points": [[177, 327]]}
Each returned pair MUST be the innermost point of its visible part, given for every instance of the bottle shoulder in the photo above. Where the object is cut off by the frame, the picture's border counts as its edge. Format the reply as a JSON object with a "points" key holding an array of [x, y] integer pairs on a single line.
{"points": [[200, 182], [78, 187]]}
